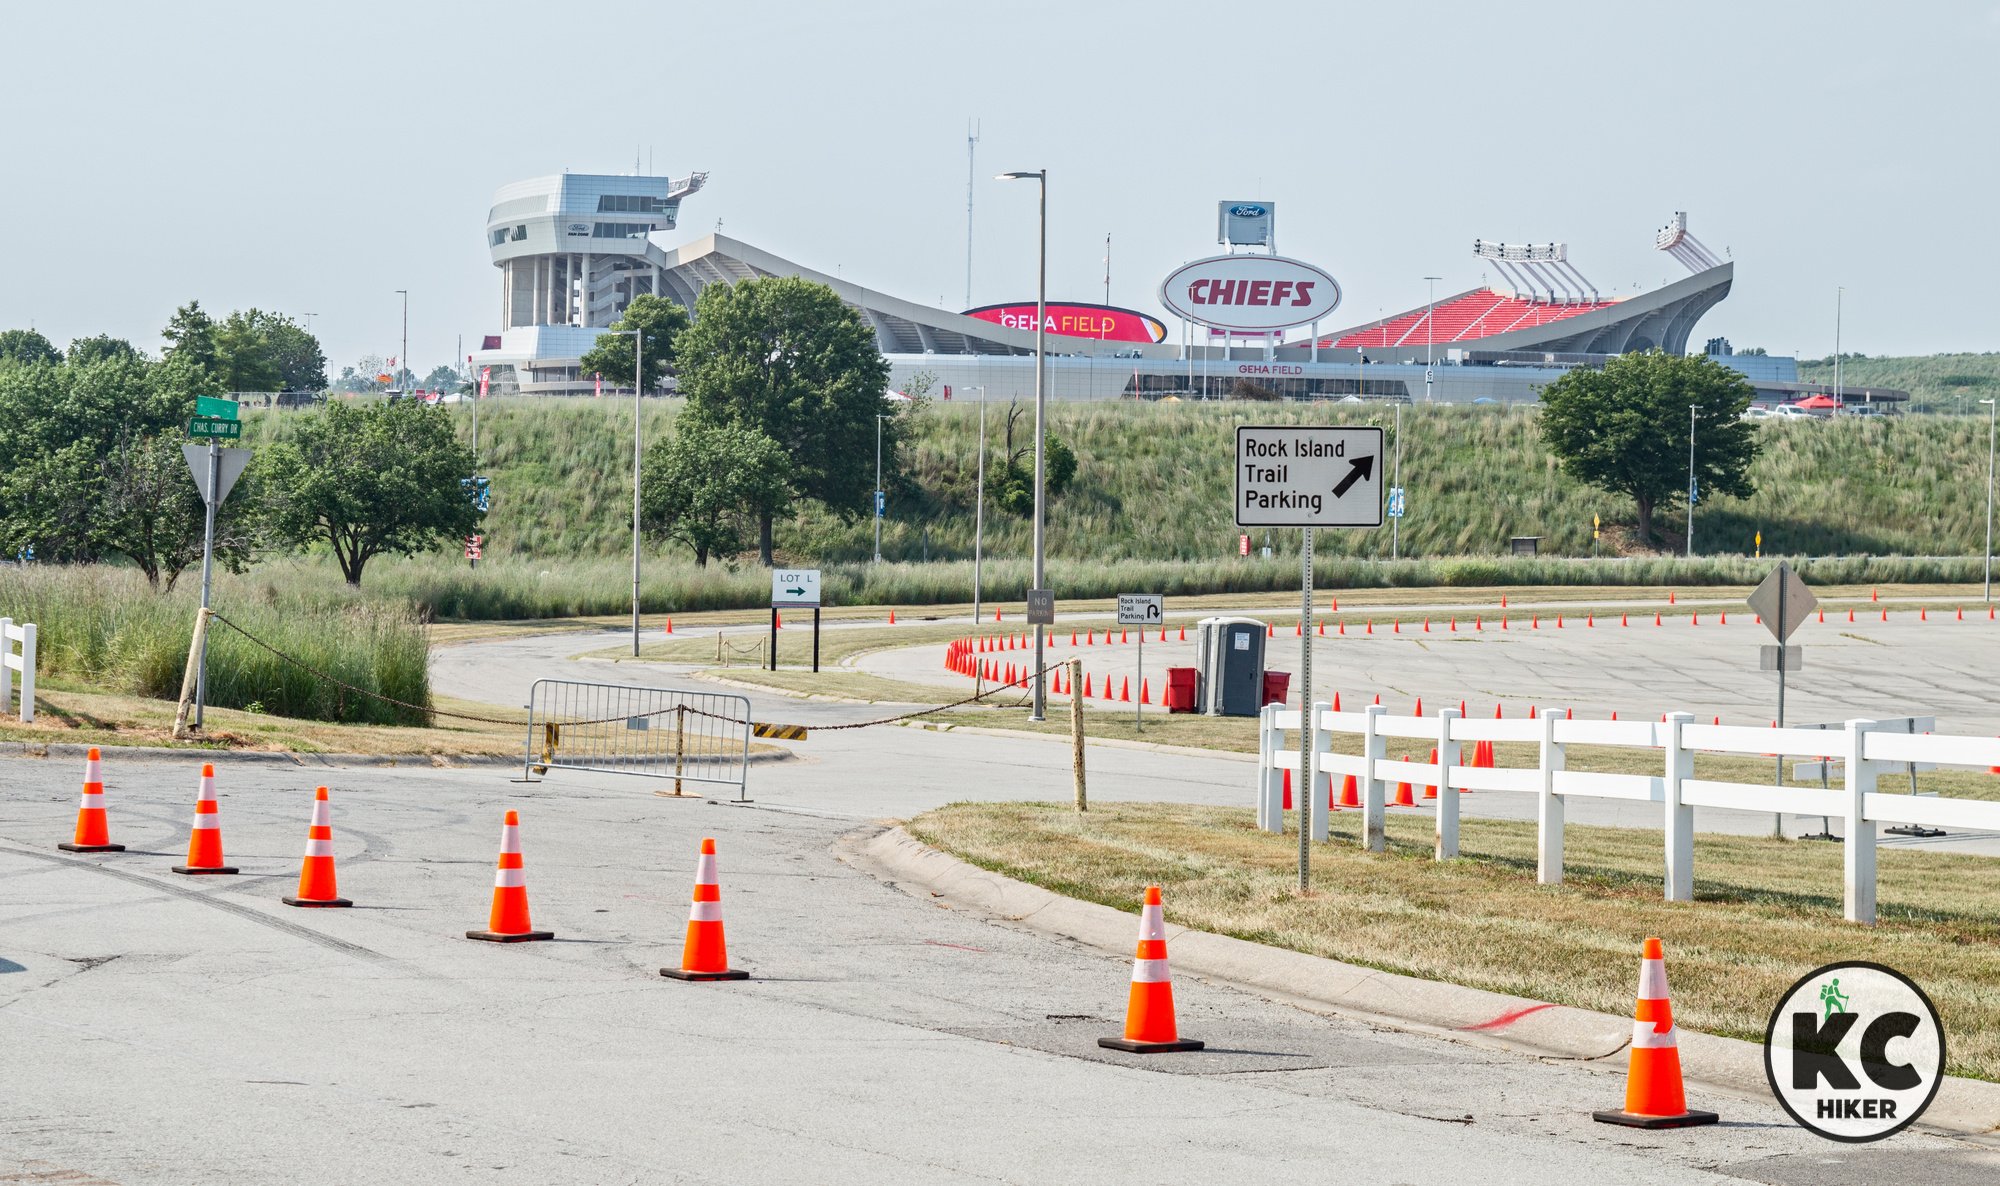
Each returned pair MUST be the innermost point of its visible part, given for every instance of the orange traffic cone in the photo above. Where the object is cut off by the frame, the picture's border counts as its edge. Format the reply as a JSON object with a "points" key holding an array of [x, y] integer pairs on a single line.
{"points": [[93, 828], [1654, 1095], [508, 921], [1431, 792], [205, 841], [1403, 798], [670, 624], [704, 956], [1149, 1011], [317, 886], [892, 619], [1350, 793]]}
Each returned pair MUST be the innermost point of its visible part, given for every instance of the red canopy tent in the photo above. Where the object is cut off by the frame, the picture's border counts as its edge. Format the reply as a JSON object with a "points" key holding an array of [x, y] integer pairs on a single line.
{"points": [[1818, 401]]}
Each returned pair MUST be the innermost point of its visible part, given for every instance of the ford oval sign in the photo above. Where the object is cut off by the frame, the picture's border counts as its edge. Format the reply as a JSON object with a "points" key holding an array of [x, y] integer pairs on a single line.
{"points": [[1246, 211], [1250, 293]]}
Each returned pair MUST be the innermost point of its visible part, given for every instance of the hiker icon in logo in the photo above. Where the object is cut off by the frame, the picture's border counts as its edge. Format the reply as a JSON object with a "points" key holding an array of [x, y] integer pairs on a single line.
{"points": [[1854, 1051]]}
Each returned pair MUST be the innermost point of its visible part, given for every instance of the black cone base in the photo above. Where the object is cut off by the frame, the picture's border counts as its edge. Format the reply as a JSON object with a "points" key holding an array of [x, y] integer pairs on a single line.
{"points": [[519, 937], [1131, 1047], [316, 902], [66, 847], [1634, 1120], [195, 869], [679, 974]]}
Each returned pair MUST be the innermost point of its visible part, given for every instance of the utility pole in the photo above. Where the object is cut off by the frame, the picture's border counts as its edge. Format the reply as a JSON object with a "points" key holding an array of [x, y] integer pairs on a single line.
{"points": [[1992, 406], [1395, 524], [1107, 269], [638, 389], [979, 513], [1838, 295]]}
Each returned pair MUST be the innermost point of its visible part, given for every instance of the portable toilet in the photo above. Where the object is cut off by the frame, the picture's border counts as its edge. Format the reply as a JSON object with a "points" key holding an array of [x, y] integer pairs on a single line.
{"points": [[1229, 653]]}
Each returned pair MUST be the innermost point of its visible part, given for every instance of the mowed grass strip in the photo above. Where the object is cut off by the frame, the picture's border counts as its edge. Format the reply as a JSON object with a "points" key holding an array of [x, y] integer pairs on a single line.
{"points": [[1765, 912]]}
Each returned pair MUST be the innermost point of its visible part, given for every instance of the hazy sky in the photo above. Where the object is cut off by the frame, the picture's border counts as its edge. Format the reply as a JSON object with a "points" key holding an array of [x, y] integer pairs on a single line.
{"points": [[317, 157]]}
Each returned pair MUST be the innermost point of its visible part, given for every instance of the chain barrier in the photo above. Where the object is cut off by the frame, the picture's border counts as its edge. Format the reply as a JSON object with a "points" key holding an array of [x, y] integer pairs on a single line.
{"points": [[761, 728]]}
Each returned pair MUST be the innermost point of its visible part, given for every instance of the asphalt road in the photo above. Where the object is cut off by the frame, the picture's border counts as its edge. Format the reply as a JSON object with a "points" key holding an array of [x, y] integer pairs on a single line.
{"points": [[162, 1029]]}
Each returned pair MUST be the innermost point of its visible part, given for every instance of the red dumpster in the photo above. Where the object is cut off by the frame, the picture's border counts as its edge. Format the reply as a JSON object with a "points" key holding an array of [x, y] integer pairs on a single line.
{"points": [[1180, 689], [1276, 684]]}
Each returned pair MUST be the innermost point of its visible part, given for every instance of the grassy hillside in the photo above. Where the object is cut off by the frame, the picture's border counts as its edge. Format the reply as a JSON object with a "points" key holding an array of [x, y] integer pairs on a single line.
{"points": [[1936, 382], [1154, 484]]}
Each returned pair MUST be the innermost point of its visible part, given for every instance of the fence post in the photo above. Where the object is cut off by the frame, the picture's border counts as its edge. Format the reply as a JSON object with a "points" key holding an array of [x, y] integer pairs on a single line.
{"points": [[1860, 854], [7, 676], [1679, 818], [28, 674], [1548, 806], [1372, 751], [1270, 781], [1447, 807], [1076, 736], [1322, 743]]}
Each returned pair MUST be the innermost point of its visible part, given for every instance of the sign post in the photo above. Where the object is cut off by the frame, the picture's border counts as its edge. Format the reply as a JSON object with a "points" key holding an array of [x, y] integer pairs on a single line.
{"points": [[214, 471], [794, 588], [1141, 610], [1782, 601], [1308, 477]]}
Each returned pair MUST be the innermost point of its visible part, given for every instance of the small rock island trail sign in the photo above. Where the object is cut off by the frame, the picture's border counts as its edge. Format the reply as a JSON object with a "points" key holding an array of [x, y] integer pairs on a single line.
{"points": [[794, 588], [1306, 476]]}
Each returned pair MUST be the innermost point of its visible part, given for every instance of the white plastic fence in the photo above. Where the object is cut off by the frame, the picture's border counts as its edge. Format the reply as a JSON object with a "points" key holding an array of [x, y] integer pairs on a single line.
{"points": [[1865, 751], [24, 662]]}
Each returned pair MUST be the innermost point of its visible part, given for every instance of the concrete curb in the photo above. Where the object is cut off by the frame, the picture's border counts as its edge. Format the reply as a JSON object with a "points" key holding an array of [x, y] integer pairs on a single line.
{"points": [[1965, 1107], [70, 749], [1156, 747]]}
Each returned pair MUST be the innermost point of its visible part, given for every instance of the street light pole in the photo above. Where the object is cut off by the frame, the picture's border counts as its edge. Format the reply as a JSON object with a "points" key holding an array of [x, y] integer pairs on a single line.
{"points": [[638, 389], [1692, 492], [1041, 177], [402, 380], [1992, 407], [1396, 524], [878, 488]]}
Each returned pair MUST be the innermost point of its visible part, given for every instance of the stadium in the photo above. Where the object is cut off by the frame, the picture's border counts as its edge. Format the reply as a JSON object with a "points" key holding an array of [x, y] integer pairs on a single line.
{"points": [[574, 249]]}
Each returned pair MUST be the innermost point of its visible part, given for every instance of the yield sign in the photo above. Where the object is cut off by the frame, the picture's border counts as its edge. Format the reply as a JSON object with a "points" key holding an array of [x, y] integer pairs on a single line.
{"points": [[229, 465], [1783, 601]]}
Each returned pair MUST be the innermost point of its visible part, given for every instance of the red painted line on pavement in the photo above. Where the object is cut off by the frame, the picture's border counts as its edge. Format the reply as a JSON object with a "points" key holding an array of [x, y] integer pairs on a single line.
{"points": [[1506, 1019]]}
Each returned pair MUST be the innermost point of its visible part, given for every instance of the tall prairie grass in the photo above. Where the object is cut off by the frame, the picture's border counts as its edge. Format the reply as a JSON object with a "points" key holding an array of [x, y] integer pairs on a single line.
{"points": [[1154, 484], [103, 626]]}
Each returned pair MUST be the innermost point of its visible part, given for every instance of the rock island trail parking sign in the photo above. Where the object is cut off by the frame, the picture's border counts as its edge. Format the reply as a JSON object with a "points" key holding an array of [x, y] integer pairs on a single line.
{"points": [[1305, 476]]}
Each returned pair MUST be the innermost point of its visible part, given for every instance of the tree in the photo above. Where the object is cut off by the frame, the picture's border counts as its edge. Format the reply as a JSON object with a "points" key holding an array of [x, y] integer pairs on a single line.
{"points": [[27, 345], [190, 333], [659, 321], [1014, 486], [1625, 429], [301, 363], [785, 356], [369, 481], [99, 348], [152, 513], [442, 378], [706, 486]]}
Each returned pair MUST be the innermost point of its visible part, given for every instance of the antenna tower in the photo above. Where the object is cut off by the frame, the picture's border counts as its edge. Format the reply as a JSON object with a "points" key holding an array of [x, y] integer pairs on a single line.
{"points": [[971, 151]]}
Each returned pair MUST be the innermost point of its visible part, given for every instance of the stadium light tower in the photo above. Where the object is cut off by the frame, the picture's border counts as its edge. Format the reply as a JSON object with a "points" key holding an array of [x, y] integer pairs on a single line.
{"points": [[1430, 333], [1041, 177]]}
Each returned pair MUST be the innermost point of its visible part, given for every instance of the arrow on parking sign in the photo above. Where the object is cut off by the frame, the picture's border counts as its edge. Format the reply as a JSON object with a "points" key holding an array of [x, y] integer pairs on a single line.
{"points": [[1363, 467]]}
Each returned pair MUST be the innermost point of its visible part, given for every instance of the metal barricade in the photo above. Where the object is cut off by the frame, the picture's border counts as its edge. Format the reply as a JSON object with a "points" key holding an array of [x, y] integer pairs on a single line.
{"points": [[654, 732]]}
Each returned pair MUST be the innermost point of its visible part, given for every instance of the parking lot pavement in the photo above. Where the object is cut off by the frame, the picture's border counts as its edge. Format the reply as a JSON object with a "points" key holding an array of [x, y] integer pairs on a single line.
{"points": [[167, 1029]]}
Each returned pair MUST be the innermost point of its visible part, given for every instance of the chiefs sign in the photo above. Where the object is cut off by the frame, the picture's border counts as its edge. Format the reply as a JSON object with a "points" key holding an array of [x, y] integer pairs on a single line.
{"points": [[1250, 293]]}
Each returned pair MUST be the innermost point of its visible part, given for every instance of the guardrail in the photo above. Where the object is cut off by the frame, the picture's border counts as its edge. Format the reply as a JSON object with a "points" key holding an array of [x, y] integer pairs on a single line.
{"points": [[1865, 750], [23, 662], [652, 732]]}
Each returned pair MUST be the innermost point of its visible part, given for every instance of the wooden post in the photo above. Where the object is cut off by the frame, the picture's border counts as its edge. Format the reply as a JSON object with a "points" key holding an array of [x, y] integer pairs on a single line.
{"points": [[1076, 734], [191, 674], [680, 744]]}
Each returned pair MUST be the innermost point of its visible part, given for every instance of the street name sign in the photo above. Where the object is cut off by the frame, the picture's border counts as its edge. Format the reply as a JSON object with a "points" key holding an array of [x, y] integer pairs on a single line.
{"points": [[1141, 609], [1305, 476], [1783, 601], [795, 587]]}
